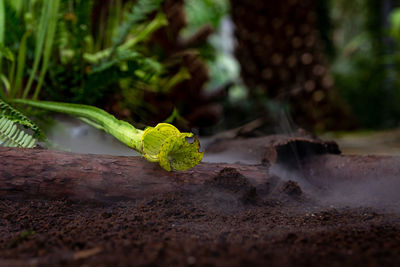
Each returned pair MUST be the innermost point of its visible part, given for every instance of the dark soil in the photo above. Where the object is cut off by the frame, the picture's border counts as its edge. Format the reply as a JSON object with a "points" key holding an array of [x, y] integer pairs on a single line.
{"points": [[225, 223]]}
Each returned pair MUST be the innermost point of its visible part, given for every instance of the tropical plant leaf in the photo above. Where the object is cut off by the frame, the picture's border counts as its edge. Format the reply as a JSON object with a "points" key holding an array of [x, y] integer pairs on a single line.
{"points": [[48, 44], [2, 24], [12, 136], [146, 64], [121, 56], [10, 113], [21, 58], [138, 14], [5, 82], [44, 41], [2, 21], [168, 146], [177, 153], [6, 52]]}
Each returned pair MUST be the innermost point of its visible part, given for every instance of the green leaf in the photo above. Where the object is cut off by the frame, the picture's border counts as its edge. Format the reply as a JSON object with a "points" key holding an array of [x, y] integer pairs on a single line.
{"points": [[167, 145], [16, 116], [179, 154], [5, 81], [11, 136], [6, 52], [48, 44], [2, 21], [106, 54], [139, 13], [172, 117], [40, 38], [121, 56], [394, 20], [153, 138], [20, 65]]}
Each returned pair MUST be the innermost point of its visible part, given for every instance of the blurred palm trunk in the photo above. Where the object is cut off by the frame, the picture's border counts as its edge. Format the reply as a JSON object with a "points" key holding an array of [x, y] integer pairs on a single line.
{"points": [[282, 57]]}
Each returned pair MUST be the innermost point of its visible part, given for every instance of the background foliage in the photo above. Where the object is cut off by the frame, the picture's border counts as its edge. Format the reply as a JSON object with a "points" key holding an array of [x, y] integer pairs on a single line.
{"points": [[366, 63], [109, 54]]}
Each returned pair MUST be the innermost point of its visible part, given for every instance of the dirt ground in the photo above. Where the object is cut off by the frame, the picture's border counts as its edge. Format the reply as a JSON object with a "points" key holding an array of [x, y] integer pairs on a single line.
{"points": [[228, 222]]}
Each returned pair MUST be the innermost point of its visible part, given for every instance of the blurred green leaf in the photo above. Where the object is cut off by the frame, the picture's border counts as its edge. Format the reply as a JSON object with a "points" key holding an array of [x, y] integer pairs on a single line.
{"points": [[394, 20], [6, 52]]}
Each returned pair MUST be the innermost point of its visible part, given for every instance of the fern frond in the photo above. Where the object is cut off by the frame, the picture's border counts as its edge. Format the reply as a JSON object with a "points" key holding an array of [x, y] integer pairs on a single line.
{"points": [[17, 117], [138, 14], [11, 136]]}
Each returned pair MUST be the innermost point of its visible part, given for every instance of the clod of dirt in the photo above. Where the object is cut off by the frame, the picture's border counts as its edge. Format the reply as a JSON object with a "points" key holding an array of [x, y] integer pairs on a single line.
{"points": [[291, 188], [231, 181]]}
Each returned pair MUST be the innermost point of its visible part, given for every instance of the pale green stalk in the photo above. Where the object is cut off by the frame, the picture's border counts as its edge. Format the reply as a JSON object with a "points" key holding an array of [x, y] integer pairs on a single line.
{"points": [[112, 21], [40, 39], [5, 81], [17, 85], [48, 44], [2, 27], [122, 130], [11, 73], [159, 21]]}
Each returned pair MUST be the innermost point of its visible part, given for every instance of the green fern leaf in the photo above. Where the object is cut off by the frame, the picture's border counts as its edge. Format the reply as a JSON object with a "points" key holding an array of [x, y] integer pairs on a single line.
{"points": [[11, 136], [17, 117]]}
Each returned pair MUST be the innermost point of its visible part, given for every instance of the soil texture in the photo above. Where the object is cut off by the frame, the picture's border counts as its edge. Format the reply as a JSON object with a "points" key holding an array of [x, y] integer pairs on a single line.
{"points": [[225, 222]]}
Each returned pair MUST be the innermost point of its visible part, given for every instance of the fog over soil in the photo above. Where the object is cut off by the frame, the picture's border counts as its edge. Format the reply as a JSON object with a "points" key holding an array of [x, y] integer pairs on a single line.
{"points": [[331, 186]]}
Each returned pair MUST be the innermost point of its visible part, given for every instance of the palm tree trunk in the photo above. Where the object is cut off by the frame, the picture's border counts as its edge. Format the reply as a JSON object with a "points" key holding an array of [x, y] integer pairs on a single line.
{"points": [[281, 55]]}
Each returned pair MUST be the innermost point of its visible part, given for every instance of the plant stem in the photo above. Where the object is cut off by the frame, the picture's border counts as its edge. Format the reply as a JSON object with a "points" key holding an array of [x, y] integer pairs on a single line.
{"points": [[97, 117], [2, 27], [17, 85], [159, 21], [40, 38], [48, 44]]}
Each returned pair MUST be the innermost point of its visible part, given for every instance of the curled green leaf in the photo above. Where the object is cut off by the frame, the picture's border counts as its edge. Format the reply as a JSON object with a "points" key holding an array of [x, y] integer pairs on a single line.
{"points": [[168, 146], [154, 137], [179, 154]]}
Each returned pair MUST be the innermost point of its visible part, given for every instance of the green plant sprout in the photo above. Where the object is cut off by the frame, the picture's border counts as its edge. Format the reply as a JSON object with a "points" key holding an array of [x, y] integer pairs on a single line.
{"points": [[163, 143]]}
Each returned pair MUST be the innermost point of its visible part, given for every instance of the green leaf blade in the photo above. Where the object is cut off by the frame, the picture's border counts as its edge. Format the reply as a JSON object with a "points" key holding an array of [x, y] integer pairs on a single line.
{"points": [[11, 136], [178, 154], [167, 145]]}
